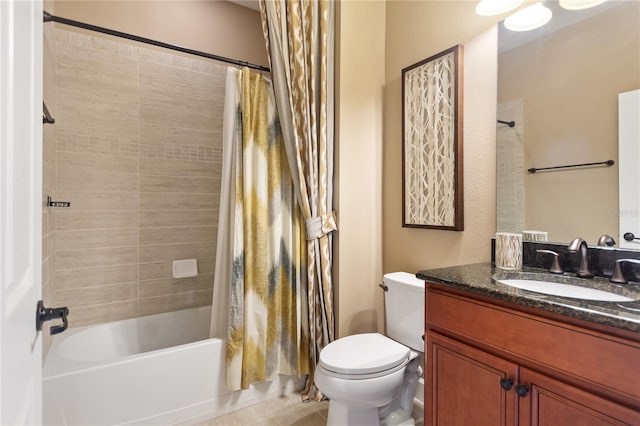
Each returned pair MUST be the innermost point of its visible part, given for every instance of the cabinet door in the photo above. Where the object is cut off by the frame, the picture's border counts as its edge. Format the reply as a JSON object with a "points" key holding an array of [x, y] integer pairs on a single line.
{"points": [[553, 403], [464, 385]]}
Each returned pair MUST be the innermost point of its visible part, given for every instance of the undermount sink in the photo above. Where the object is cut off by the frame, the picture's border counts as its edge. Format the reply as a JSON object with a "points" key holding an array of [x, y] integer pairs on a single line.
{"points": [[566, 286]]}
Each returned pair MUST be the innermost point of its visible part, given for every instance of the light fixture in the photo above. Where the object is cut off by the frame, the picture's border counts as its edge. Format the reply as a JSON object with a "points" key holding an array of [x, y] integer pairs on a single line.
{"points": [[528, 18], [496, 7], [580, 4]]}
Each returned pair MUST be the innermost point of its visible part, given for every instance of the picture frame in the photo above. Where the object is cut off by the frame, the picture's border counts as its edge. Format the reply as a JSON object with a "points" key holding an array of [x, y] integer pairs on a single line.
{"points": [[432, 142]]}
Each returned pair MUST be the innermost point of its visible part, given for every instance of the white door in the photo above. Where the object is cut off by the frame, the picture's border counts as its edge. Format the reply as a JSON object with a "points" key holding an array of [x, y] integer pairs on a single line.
{"points": [[629, 167], [20, 211]]}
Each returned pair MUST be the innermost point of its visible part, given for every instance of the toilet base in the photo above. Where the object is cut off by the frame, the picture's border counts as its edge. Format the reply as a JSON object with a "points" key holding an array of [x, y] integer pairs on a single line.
{"points": [[340, 415]]}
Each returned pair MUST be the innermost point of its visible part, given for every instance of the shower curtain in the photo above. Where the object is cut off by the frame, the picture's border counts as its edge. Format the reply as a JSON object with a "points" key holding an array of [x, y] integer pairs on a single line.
{"points": [[261, 242], [299, 35]]}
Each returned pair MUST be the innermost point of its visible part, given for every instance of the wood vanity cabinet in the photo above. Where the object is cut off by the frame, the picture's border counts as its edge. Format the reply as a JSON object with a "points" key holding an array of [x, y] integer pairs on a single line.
{"points": [[494, 363]]}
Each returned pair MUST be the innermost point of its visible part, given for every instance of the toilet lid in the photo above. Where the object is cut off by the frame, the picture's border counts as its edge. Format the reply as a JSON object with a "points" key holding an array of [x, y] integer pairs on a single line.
{"points": [[363, 354]]}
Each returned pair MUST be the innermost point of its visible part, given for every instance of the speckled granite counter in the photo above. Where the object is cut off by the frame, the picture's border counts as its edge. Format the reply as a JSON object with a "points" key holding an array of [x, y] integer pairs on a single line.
{"points": [[476, 278]]}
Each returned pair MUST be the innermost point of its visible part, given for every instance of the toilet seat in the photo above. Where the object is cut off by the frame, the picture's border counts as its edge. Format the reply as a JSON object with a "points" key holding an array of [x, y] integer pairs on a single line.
{"points": [[363, 356]]}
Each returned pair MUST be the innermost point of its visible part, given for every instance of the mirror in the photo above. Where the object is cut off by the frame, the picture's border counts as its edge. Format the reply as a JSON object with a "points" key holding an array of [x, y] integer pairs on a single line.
{"points": [[560, 85]]}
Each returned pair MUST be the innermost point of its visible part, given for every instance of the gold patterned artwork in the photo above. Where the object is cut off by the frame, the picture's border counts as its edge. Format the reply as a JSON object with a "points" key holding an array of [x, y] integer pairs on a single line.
{"points": [[432, 142]]}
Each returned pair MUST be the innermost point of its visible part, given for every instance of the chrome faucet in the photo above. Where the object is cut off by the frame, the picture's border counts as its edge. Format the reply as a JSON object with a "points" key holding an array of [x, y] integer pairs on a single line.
{"points": [[580, 244], [618, 277]]}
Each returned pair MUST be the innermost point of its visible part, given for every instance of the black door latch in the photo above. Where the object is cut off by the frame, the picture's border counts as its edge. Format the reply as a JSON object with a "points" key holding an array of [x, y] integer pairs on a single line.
{"points": [[46, 314]]}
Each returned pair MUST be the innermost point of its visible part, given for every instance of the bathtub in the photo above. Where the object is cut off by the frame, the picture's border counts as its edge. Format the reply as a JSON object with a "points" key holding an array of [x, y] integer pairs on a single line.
{"points": [[156, 370]]}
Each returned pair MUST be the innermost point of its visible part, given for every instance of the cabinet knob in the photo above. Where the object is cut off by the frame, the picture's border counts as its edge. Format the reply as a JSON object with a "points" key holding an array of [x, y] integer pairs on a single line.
{"points": [[506, 384], [522, 390]]}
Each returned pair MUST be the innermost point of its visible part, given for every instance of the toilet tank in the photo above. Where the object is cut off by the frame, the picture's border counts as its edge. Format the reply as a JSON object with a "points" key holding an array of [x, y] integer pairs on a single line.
{"points": [[404, 309]]}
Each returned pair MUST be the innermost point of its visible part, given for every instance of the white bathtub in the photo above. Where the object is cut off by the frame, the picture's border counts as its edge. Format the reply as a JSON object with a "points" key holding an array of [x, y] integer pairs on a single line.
{"points": [[157, 370]]}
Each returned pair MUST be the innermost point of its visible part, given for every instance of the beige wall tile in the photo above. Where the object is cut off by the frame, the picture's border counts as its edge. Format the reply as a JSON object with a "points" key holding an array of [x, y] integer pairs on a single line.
{"points": [[165, 286], [80, 239], [117, 119], [197, 115], [100, 275], [186, 62], [172, 252], [164, 79], [85, 296], [52, 241], [71, 180], [136, 144], [152, 218], [83, 41], [76, 114], [164, 167], [90, 219], [51, 222], [161, 133], [45, 247], [158, 201], [49, 177], [173, 302], [99, 200], [92, 163], [94, 314], [163, 269], [48, 172], [178, 234], [49, 145], [87, 258], [92, 73], [178, 184], [46, 277]]}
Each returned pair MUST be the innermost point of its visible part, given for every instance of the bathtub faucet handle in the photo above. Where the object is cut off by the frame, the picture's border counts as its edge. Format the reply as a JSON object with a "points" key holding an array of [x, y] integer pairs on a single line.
{"points": [[46, 314]]}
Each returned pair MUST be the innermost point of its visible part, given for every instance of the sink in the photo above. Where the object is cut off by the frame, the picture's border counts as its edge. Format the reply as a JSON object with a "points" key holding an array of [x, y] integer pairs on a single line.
{"points": [[567, 286]]}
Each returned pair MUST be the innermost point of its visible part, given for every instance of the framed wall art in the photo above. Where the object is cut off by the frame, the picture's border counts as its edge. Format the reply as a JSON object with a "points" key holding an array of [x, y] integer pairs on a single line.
{"points": [[432, 145]]}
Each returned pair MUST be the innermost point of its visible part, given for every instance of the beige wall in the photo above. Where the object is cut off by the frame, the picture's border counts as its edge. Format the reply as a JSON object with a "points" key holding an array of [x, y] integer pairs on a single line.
{"points": [[360, 77], [570, 100], [217, 27], [417, 30], [371, 240]]}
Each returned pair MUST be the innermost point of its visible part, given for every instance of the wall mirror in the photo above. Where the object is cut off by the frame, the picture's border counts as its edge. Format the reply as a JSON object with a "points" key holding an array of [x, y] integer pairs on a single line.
{"points": [[432, 194], [559, 84]]}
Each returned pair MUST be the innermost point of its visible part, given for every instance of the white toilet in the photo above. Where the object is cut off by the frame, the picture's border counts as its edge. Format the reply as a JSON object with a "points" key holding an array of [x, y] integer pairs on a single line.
{"points": [[371, 379]]}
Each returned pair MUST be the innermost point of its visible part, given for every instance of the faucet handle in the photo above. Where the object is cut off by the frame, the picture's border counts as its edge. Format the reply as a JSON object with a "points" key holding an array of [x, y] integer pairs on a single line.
{"points": [[606, 240], [555, 265], [618, 277]]}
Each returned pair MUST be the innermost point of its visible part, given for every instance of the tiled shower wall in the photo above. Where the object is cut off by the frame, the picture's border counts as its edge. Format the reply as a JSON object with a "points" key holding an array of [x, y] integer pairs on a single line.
{"points": [[510, 199], [138, 135], [48, 171]]}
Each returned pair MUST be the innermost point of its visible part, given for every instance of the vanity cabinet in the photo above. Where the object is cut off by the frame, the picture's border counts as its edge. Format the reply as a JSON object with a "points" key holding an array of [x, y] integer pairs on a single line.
{"points": [[490, 363]]}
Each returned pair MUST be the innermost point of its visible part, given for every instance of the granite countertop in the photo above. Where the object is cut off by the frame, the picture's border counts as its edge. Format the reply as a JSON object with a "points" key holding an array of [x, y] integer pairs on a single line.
{"points": [[476, 278]]}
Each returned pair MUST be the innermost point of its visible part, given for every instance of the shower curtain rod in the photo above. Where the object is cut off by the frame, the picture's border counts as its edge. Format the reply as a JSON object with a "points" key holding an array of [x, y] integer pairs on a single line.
{"points": [[51, 18]]}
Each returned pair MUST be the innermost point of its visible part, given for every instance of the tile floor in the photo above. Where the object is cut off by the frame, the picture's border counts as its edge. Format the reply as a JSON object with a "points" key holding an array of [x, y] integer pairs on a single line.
{"points": [[286, 411]]}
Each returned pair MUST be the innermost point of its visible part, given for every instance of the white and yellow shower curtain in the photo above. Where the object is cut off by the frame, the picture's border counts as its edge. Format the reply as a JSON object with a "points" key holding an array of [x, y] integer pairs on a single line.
{"points": [[261, 249]]}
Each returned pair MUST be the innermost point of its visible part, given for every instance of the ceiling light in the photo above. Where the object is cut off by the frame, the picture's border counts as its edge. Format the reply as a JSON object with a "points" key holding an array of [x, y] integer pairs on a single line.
{"points": [[496, 7], [528, 18], [580, 4]]}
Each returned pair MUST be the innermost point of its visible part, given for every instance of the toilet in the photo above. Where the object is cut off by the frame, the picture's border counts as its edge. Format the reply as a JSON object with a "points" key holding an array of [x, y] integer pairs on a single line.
{"points": [[371, 379]]}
